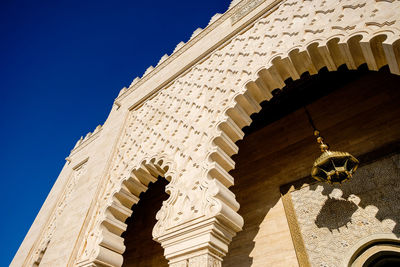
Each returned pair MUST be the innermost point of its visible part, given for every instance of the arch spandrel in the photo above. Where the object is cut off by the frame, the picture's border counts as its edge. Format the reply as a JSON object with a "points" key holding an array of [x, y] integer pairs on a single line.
{"points": [[193, 123]]}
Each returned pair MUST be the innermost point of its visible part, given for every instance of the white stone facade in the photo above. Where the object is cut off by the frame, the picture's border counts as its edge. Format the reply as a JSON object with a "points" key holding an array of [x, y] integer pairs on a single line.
{"points": [[181, 121]]}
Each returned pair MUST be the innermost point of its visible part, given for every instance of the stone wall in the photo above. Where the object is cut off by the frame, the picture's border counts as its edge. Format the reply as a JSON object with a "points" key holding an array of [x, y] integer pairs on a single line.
{"points": [[333, 219]]}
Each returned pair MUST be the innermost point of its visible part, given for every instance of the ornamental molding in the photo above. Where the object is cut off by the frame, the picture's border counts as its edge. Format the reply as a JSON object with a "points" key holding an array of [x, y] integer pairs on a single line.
{"points": [[83, 142]]}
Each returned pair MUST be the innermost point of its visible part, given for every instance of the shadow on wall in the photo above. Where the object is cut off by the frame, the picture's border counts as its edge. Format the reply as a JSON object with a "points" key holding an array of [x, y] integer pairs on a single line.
{"points": [[335, 213], [377, 186]]}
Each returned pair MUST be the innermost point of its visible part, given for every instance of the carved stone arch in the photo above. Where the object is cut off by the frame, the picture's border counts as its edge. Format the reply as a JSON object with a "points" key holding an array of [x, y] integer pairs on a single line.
{"points": [[188, 112], [111, 222]]}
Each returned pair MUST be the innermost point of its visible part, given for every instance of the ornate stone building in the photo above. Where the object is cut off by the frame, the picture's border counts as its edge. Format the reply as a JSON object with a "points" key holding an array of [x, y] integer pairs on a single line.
{"points": [[206, 159]]}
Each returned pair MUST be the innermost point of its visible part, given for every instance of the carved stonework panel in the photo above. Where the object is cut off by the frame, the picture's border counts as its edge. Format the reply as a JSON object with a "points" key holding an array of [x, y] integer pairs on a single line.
{"points": [[332, 219], [246, 8], [204, 261], [77, 172]]}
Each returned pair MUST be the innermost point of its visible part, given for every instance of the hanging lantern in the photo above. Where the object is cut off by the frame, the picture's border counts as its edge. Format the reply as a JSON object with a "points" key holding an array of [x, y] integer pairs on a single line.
{"points": [[333, 167]]}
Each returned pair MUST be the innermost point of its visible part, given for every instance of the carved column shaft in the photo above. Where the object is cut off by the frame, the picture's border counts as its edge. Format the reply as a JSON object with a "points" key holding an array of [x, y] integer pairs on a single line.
{"points": [[205, 260]]}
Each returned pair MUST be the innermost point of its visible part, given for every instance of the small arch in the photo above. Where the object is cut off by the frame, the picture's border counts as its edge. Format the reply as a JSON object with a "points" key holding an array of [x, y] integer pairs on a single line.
{"points": [[374, 53], [114, 224], [141, 248], [371, 249], [355, 49]]}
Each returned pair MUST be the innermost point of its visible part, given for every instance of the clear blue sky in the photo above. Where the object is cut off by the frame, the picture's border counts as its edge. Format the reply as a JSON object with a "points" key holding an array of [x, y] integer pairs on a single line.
{"points": [[62, 63]]}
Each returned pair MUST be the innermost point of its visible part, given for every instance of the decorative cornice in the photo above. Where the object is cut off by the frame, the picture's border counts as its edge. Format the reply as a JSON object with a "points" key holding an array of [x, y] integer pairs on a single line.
{"points": [[240, 7], [84, 143]]}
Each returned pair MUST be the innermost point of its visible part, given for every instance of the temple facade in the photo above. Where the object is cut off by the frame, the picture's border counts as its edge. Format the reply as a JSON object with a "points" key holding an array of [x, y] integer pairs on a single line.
{"points": [[205, 160]]}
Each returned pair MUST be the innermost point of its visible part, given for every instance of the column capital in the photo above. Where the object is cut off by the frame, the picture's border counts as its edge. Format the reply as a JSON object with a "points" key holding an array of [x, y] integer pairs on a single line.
{"points": [[201, 242]]}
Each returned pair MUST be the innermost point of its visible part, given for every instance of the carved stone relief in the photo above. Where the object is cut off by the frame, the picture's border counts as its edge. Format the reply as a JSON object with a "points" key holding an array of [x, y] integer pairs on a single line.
{"points": [[332, 219], [204, 260]]}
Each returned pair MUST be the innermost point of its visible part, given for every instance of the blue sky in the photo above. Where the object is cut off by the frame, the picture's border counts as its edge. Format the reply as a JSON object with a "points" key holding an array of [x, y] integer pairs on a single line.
{"points": [[62, 63]]}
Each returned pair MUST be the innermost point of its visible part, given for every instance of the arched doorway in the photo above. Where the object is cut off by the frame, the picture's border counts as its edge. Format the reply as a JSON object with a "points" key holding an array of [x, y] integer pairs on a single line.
{"points": [[356, 111], [141, 249]]}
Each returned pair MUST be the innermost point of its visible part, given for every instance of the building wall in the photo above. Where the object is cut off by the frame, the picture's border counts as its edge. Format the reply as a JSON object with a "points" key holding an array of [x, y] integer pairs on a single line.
{"points": [[55, 232], [181, 120], [94, 153], [282, 152]]}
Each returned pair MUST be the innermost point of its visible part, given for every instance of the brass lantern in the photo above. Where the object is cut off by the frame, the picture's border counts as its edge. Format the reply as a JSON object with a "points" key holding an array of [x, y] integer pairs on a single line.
{"points": [[333, 167]]}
